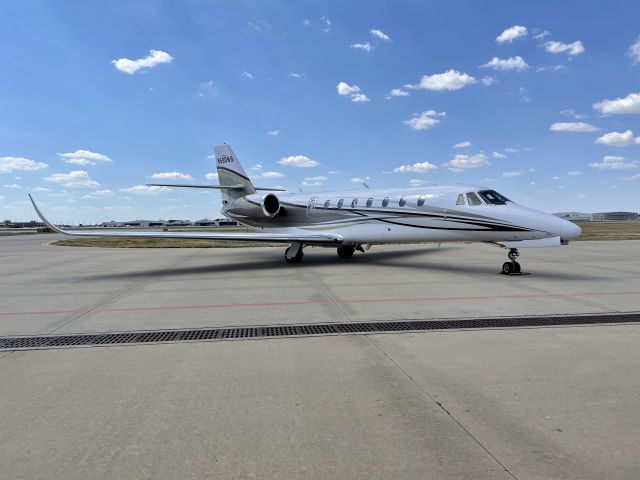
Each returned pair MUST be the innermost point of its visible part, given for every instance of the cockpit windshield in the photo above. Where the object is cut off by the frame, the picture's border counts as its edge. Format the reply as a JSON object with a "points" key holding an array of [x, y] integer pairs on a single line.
{"points": [[492, 197]]}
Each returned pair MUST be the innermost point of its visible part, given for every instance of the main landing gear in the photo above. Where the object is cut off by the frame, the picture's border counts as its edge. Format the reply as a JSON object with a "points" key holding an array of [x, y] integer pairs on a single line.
{"points": [[511, 267], [346, 252], [294, 254]]}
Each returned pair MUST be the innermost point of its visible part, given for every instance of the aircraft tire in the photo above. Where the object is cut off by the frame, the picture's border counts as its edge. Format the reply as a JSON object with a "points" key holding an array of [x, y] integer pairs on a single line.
{"points": [[296, 259], [507, 268], [346, 252], [517, 270]]}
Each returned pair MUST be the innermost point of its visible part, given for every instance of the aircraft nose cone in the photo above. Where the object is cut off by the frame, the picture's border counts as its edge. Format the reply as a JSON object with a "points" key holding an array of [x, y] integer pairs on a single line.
{"points": [[569, 230]]}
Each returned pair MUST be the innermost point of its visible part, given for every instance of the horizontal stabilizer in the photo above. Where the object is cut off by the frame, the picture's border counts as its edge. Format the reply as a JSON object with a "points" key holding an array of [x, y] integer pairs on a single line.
{"points": [[215, 187], [284, 236]]}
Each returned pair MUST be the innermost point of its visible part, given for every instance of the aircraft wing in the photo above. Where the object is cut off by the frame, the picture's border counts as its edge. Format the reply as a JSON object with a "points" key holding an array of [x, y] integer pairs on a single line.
{"points": [[286, 236], [539, 243]]}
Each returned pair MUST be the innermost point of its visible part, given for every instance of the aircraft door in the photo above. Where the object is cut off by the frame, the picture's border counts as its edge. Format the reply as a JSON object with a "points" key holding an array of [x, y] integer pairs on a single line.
{"points": [[311, 207]]}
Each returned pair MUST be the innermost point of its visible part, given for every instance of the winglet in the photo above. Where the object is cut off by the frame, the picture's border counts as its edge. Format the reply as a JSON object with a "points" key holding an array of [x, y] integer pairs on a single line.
{"points": [[44, 220]]}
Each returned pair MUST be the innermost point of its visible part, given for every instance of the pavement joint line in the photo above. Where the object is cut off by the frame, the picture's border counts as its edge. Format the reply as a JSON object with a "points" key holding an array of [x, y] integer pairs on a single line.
{"points": [[97, 308], [324, 290], [118, 295], [441, 406]]}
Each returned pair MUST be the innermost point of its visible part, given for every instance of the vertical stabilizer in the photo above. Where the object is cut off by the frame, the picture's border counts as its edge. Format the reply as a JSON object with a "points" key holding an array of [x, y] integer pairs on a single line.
{"points": [[230, 172]]}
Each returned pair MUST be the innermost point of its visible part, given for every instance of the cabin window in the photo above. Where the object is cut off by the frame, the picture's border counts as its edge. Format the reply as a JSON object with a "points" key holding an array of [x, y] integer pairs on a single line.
{"points": [[385, 202], [369, 202], [354, 202], [402, 202], [326, 204], [473, 199], [460, 200], [340, 202], [492, 197], [421, 200]]}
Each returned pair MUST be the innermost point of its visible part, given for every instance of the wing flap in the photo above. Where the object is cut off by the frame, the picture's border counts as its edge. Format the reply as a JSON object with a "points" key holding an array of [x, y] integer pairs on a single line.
{"points": [[285, 236]]}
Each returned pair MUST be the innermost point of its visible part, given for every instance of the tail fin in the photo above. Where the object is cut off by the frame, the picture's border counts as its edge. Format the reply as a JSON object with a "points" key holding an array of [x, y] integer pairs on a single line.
{"points": [[230, 172]]}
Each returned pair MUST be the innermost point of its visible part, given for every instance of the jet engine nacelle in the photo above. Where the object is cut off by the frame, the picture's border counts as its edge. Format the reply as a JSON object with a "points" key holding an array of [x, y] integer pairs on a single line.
{"points": [[256, 207], [270, 205]]}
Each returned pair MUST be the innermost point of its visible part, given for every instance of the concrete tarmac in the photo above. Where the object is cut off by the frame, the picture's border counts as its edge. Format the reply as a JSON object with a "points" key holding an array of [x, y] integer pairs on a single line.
{"points": [[522, 403]]}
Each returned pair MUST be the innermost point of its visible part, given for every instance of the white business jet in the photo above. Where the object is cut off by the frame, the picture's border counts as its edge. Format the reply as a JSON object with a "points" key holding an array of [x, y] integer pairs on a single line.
{"points": [[355, 220]]}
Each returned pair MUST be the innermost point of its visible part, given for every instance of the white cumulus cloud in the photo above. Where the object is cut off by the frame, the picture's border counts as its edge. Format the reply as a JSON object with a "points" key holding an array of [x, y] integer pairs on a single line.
{"points": [[617, 139], [359, 179], [574, 173], [211, 176], [155, 57], [75, 179], [298, 161], [379, 34], [498, 155], [516, 63], [511, 174], [353, 91], [359, 97], [84, 157], [449, 80], [365, 47], [464, 144], [511, 33], [272, 175], [145, 190], [273, 133], [573, 127], [398, 92], [99, 194], [416, 182], [416, 168], [614, 162], [574, 48], [424, 120], [10, 164], [634, 52], [12, 185], [628, 104], [171, 176], [465, 162]]}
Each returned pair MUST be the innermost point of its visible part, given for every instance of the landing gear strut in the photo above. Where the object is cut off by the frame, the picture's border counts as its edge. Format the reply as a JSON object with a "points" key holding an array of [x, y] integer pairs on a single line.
{"points": [[346, 252], [294, 254], [511, 267]]}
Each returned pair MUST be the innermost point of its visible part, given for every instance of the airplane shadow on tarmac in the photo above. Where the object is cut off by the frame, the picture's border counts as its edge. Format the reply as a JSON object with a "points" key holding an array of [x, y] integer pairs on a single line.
{"points": [[273, 260]]}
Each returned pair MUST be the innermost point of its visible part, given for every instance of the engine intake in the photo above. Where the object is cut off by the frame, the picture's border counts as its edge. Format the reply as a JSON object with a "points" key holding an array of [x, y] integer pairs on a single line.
{"points": [[270, 205]]}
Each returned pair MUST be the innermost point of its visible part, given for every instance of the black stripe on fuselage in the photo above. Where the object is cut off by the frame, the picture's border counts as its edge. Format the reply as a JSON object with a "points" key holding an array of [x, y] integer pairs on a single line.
{"points": [[493, 225], [406, 213]]}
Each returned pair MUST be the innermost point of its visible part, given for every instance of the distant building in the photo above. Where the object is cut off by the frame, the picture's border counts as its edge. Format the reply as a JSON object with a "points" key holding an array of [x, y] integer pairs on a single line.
{"points": [[31, 224], [205, 222], [608, 216], [178, 223], [574, 216], [225, 222]]}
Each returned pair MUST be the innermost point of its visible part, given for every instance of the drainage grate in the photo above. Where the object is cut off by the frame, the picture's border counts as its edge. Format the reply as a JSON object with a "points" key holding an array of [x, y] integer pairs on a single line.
{"points": [[167, 336]]}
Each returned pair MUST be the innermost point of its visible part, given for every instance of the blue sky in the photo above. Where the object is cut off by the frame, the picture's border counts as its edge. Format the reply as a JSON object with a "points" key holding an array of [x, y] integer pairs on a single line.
{"points": [[541, 98]]}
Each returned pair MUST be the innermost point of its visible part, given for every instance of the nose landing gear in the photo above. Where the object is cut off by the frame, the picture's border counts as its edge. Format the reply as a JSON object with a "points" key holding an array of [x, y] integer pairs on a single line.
{"points": [[511, 267]]}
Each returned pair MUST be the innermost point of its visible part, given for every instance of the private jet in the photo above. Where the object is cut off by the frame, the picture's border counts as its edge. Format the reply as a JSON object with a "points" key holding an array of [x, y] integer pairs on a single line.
{"points": [[355, 220]]}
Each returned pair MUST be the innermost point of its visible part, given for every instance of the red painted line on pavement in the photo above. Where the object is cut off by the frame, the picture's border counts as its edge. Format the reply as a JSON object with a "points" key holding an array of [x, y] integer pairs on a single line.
{"points": [[319, 302]]}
